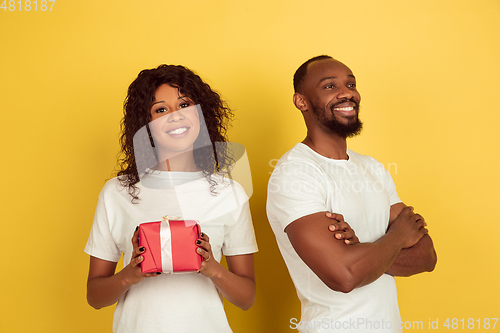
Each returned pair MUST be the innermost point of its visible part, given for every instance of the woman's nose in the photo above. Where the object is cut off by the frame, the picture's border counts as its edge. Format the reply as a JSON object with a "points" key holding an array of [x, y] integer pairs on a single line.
{"points": [[175, 116]]}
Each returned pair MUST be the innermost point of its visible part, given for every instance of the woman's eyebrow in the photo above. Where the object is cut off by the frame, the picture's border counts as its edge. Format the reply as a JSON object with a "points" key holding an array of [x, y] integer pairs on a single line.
{"points": [[180, 97]]}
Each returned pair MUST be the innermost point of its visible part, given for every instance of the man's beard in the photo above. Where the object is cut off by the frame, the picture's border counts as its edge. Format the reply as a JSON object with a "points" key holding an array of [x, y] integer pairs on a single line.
{"points": [[349, 130]]}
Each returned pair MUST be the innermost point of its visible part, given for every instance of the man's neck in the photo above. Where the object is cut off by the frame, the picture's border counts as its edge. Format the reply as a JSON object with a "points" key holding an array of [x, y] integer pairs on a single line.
{"points": [[329, 145]]}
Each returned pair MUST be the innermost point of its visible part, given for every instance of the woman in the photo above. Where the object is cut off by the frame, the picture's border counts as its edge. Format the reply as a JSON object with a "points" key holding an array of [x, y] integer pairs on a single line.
{"points": [[185, 121]]}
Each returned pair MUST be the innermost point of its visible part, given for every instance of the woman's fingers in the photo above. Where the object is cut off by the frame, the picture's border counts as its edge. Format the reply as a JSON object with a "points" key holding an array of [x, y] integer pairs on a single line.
{"points": [[134, 271], [205, 237], [135, 238], [204, 243], [204, 254], [136, 261], [204, 250], [137, 258]]}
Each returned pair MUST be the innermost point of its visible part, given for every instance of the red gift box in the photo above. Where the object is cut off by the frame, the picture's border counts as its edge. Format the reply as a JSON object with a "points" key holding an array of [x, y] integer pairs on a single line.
{"points": [[170, 246]]}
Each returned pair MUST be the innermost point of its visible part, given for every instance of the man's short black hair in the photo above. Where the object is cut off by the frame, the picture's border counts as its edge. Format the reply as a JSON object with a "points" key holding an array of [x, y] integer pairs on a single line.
{"points": [[300, 74]]}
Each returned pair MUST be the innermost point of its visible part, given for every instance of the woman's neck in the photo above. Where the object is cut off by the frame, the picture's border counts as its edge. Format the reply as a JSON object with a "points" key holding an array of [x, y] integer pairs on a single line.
{"points": [[182, 162]]}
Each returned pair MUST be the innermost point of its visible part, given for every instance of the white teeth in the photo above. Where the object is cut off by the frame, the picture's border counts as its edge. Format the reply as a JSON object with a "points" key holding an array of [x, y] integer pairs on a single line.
{"points": [[350, 108], [178, 130]]}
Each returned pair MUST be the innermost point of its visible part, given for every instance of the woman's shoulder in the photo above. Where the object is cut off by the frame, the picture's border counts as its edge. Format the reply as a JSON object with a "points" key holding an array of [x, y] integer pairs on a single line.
{"points": [[225, 184], [112, 187]]}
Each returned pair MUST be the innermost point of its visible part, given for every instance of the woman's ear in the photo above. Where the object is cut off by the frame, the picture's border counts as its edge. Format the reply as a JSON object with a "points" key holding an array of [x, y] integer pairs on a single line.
{"points": [[300, 102]]}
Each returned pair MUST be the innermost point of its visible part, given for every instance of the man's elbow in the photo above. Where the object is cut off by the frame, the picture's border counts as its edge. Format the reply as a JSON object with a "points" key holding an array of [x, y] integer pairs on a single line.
{"points": [[340, 287], [430, 256], [345, 284], [431, 263]]}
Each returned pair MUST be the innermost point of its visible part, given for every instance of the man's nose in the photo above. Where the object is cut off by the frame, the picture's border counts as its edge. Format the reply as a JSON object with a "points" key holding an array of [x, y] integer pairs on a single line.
{"points": [[345, 92]]}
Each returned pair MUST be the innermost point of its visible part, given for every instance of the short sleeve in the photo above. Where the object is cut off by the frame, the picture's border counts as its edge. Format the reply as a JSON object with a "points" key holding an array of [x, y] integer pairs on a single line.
{"points": [[239, 238], [295, 190], [381, 174], [390, 187], [101, 243]]}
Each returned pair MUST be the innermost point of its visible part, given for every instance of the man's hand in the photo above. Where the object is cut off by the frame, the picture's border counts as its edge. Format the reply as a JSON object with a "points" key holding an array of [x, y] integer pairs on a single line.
{"points": [[410, 227], [341, 229], [419, 258]]}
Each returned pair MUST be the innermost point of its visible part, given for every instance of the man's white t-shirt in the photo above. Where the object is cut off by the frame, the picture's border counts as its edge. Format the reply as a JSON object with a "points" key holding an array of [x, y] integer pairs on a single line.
{"points": [[305, 182], [177, 303]]}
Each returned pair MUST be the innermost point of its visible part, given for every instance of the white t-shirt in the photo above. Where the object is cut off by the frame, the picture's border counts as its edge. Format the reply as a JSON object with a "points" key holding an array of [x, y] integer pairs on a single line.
{"points": [[305, 182], [176, 303]]}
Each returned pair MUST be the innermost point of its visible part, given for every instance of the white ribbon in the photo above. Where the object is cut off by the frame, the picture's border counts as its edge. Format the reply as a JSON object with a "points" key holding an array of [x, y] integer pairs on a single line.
{"points": [[166, 247]]}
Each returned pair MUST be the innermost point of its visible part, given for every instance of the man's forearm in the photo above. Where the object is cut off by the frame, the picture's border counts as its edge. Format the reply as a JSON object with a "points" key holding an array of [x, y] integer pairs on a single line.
{"points": [[366, 262], [419, 258], [344, 267]]}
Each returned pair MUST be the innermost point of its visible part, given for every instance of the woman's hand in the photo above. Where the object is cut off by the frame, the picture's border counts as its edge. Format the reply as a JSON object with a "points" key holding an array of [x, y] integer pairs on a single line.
{"points": [[132, 272], [341, 229], [209, 266]]}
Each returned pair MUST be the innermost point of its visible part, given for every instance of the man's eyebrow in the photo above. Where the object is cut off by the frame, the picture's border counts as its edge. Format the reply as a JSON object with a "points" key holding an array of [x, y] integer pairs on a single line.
{"points": [[327, 78], [334, 77]]}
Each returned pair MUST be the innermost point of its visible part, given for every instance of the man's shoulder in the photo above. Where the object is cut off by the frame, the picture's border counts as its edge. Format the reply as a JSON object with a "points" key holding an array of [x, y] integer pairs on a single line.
{"points": [[361, 158], [299, 154], [297, 170], [366, 164], [295, 163]]}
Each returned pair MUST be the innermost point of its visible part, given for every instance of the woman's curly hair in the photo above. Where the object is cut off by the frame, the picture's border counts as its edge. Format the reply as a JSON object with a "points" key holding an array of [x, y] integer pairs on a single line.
{"points": [[216, 115]]}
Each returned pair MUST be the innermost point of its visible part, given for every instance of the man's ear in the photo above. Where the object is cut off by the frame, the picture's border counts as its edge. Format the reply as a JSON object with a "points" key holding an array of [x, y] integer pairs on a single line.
{"points": [[300, 102]]}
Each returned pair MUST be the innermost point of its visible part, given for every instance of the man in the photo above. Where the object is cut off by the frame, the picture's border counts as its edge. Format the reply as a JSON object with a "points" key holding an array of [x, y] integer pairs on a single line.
{"points": [[342, 287]]}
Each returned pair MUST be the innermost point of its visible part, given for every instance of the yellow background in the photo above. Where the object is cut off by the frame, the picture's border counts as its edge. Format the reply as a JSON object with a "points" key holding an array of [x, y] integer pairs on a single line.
{"points": [[428, 73]]}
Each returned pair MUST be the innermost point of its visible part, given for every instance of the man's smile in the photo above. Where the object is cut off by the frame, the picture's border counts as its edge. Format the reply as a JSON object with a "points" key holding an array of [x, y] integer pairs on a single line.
{"points": [[346, 109]]}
